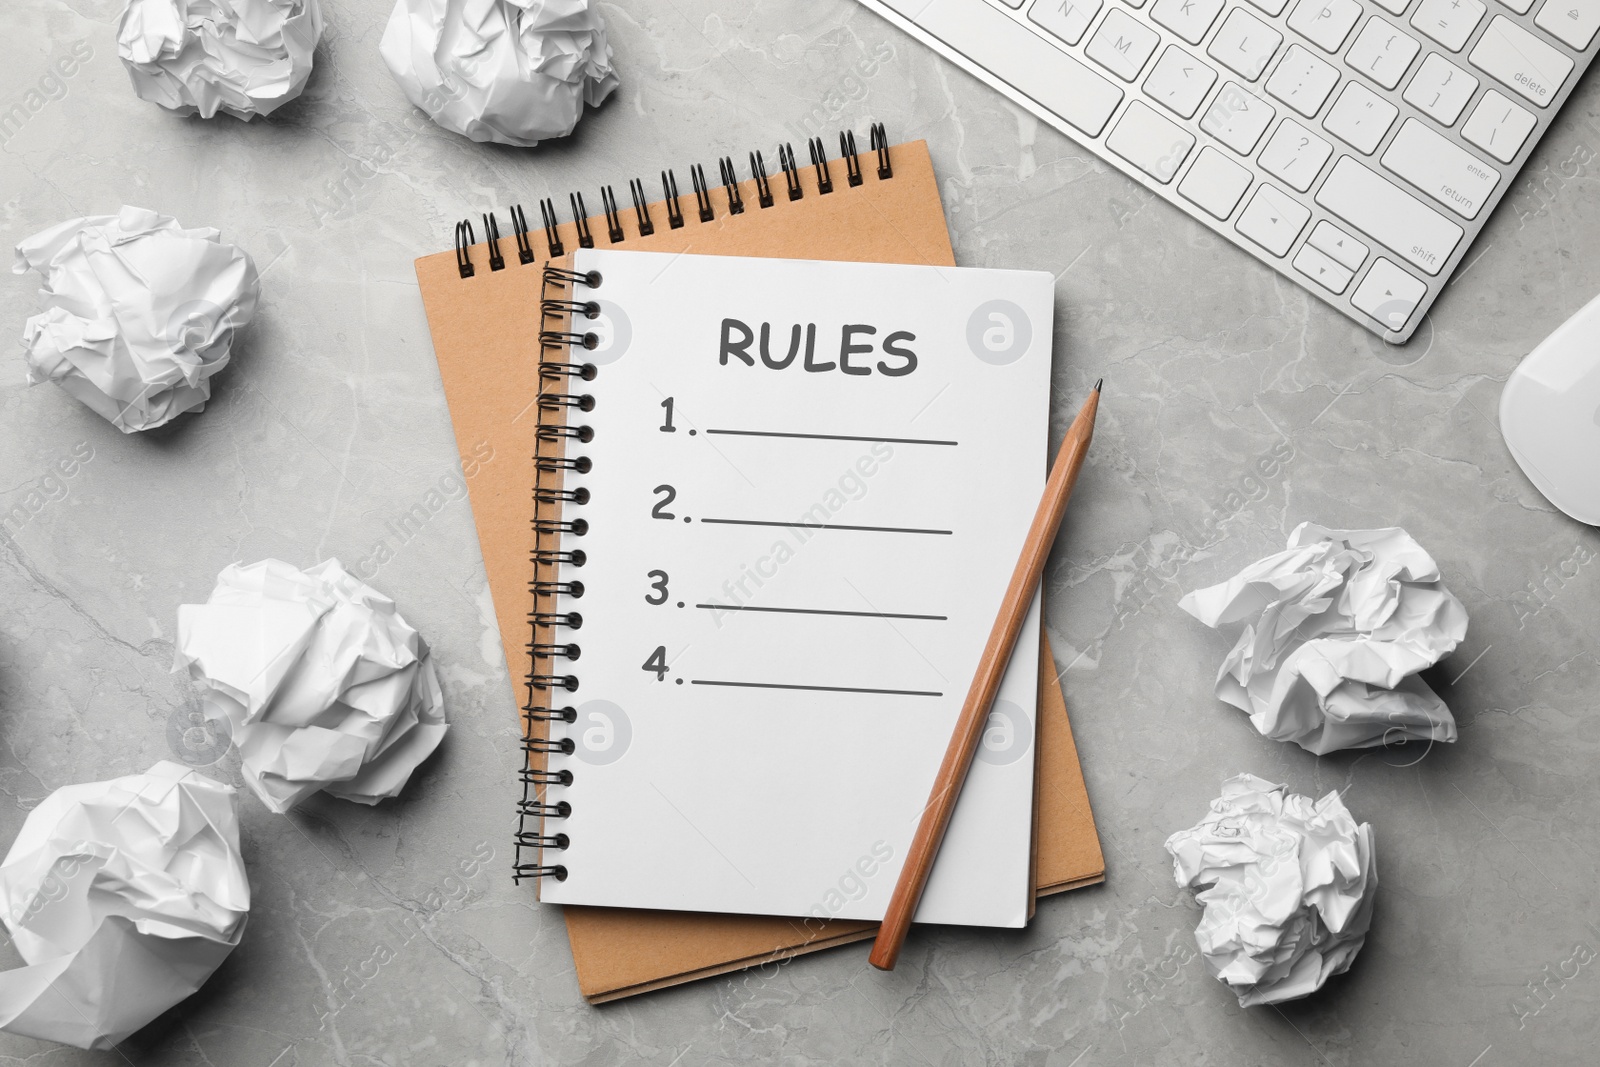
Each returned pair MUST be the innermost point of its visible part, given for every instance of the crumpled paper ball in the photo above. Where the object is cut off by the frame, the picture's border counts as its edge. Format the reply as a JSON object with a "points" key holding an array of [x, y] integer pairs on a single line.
{"points": [[123, 897], [140, 313], [509, 71], [1331, 633], [1287, 884], [319, 680], [244, 57]]}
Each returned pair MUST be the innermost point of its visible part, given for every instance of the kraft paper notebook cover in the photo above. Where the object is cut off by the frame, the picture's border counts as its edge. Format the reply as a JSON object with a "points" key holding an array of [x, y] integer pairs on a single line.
{"points": [[488, 370]]}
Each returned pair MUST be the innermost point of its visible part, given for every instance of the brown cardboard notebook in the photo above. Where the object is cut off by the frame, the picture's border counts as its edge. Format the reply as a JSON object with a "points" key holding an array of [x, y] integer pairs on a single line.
{"points": [[485, 330]]}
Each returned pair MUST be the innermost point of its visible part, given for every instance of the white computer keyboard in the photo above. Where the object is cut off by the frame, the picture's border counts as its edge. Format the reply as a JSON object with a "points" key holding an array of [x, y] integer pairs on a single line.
{"points": [[1356, 146]]}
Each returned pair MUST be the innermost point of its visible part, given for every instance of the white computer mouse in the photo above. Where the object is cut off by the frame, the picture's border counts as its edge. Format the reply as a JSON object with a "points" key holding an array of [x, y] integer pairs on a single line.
{"points": [[1550, 415]]}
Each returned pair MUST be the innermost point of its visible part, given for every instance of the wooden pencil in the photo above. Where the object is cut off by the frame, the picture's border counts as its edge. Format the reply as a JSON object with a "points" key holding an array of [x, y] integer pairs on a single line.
{"points": [[985, 682]]}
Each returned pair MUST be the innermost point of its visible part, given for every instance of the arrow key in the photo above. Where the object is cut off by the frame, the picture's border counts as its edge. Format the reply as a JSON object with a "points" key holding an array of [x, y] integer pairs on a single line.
{"points": [[1272, 219], [1388, 294], [1344, 249], [1322, 270]]}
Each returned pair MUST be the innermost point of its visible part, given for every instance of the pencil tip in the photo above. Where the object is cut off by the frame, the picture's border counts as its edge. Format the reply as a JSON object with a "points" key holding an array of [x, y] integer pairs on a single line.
{"points": [[1098, 384]]}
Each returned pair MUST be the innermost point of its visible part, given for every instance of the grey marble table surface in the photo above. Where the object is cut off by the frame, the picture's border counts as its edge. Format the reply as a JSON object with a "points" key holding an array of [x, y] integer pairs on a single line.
{"points": [[393, 935]]}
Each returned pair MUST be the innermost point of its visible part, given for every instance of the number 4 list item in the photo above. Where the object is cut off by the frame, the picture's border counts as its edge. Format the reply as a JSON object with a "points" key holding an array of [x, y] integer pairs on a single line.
{"points": [[318, 679], [794, 495]]}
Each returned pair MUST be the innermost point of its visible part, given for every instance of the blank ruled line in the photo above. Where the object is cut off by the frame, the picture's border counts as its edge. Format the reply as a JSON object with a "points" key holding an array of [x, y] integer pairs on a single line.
{"points": [[825, 611], [834, 437], [817, 688], [824, 526]]}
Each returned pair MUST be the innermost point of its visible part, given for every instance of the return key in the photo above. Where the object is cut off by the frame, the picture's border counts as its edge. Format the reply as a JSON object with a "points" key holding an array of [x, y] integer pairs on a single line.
{"points": [[1456, 178]]}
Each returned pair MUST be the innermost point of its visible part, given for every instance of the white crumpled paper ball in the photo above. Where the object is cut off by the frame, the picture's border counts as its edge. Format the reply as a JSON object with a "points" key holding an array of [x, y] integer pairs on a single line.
{"points": [[244, 57], [1287, 884], [1331, 634], [509, 71], [140, 313], [123, 897], [319, 680]]}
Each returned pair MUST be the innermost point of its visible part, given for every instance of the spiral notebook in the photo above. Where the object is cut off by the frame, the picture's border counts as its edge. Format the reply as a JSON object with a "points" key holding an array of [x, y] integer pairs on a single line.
{"points": [[748, 638], [486, 362]]}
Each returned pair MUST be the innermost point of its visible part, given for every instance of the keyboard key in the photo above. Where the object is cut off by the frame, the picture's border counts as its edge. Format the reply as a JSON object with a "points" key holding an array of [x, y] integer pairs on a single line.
{"points": [[1296, 155], [1012, 3], [1325, 23], [1035, 68], [1151, 143], [1345, 250], [1134, 3], [1388, 294], [1361, 117], [1450, 22], [1450, 174], [1382, 52], [1122, 45], [1271, 7], [1440, 89], [1189, 19], [1519, 6], [1572, 21], [1511, 55], [1321, 268], [1237, 118], [1377, 207], [1066, 19], [1272, 219], [1303, 81], [1215, 182], [1245, 44], [1179, 81], [1394, 7], [1498, 126]]}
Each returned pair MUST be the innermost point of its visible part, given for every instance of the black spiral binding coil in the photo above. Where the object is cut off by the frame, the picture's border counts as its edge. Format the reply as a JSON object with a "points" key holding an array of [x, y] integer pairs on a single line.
{"points": [[563, 311], [491, 236], [566, 305]]}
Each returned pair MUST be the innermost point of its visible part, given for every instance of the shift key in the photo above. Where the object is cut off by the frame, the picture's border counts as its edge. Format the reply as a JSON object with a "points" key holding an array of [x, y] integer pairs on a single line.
{"points": [[1377, 207], [1451, 175]]}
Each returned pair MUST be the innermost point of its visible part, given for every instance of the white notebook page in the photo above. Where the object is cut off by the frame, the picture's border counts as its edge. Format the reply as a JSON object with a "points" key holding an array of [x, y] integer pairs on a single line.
{"points": [[794, 555]]}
